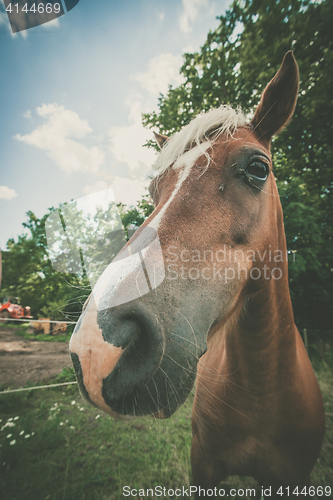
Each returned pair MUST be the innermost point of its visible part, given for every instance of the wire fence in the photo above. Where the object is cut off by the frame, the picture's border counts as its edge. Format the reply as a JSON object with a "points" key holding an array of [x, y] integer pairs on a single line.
{"points": [[49, 386], [318, 342], [51, 331], [29, 320], [40, 325]]}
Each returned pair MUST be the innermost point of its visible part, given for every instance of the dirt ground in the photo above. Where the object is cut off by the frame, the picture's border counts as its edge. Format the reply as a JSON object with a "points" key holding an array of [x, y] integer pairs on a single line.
{"points": [[23, 360]]}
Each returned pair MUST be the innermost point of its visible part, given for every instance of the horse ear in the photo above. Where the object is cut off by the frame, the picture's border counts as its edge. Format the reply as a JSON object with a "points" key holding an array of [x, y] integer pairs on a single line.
{"points": [[278, 100], [160, 139]]}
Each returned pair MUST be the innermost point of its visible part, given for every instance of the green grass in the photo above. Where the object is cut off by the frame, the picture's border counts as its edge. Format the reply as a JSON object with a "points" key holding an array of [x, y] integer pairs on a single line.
{"points": [[64, 449], [23, 330], [323, 471]]}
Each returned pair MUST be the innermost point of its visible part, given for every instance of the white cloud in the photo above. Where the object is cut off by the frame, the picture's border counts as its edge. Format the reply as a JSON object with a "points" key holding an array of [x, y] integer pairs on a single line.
{"points": [[51, 24], [162, 71], [188, 49], [23, 34], [27, 114], [94, 188], [190, 13], [126, 191], [5, 21], [127, 142], [55, 137], [7, 193]]}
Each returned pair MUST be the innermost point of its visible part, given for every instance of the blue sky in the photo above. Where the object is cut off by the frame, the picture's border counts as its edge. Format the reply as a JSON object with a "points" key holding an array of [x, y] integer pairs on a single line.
{"points": [[72, 94]]}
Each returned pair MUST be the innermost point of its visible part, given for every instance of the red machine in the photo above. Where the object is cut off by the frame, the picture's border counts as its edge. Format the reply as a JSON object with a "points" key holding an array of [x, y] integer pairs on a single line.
{"points": [[10, 308]]}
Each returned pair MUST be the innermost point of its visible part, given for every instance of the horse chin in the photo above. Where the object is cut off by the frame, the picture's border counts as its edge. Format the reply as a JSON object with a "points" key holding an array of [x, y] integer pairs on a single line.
{"points": [[160, 397], [162, 392]]}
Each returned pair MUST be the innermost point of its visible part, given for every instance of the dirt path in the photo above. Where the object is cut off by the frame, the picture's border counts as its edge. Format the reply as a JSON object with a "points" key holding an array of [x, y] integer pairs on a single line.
{"points": [[23, 360]]}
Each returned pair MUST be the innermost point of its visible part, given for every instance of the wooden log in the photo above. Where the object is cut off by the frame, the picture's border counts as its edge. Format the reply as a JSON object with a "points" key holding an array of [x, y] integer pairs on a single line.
{"points": [[42, 325]]}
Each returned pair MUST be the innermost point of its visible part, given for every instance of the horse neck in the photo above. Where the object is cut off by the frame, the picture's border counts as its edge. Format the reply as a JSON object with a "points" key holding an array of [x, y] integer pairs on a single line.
{"points": [[260, 338]]}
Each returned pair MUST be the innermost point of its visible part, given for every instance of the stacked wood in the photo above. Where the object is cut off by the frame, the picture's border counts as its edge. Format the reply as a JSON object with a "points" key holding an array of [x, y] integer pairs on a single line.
{"points": [[48, 326], [42, 325], [58, 328]]}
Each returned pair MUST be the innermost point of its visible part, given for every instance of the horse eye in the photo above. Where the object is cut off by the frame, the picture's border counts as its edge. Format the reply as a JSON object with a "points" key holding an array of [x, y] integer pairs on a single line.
{"points": [[257, 169]]}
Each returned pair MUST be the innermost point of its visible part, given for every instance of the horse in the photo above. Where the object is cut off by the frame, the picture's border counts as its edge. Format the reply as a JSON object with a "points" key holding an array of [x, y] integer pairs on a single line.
{"points": [[219, 312]]}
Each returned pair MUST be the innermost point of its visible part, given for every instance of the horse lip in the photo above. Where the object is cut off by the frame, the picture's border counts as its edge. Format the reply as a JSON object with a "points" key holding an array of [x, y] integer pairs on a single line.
{"points": [[138, 392], [79, 378]]}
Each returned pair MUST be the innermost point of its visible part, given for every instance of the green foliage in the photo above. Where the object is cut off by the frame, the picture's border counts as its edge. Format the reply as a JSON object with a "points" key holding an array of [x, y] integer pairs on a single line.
{"points": [[53, 336], [54, 309], [136, 215], [84, 238], [29, 274], [232, 67]]}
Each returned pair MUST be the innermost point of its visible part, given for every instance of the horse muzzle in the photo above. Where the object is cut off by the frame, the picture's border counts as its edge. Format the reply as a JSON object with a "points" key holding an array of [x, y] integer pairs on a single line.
{"points": [[115, 354], [134, 350]]}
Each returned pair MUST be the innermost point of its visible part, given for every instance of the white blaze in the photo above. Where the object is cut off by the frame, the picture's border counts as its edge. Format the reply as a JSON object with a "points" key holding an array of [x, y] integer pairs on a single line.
{"points": [[184, 162], [125, 279]]}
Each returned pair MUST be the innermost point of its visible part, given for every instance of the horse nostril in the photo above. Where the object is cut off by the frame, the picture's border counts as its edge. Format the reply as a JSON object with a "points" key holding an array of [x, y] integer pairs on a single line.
{"points": [[127, 333], [143, 346], [115, 355]]}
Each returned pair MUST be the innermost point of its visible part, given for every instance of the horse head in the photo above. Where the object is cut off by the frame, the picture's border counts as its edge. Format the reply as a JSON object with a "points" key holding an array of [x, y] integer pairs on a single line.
{"points": [[215, 238]]}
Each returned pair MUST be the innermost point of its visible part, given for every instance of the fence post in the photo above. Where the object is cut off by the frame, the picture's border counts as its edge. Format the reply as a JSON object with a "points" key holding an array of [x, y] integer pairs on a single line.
{"points": [[305, 339]]}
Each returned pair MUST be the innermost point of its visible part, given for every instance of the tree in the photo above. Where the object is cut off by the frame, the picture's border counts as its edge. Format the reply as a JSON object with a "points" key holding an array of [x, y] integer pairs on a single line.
{"points": [[136, 215], [28, 272], [233, 66]]}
